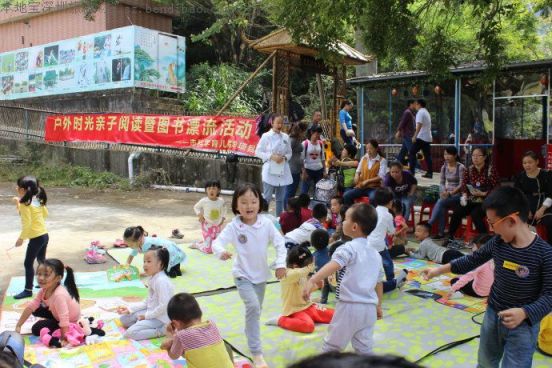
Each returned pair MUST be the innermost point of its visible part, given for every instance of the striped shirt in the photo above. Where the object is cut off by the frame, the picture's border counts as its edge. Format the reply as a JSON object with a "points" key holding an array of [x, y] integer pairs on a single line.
{"points": [[195, 337], [451, 180], [523, 276]]}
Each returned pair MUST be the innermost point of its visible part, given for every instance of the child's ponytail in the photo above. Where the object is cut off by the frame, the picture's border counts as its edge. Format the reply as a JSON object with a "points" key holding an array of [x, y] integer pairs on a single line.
{"points": [[134, 233], [70, 284], [30, 185], [42, 197]]}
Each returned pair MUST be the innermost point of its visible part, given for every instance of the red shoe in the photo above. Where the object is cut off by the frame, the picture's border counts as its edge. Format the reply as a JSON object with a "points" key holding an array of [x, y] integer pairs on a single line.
{"points": [[119, 243]]}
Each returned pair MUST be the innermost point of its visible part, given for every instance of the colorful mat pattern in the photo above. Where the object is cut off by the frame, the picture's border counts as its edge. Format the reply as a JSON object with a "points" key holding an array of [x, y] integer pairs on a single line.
{"points": [[412, 327], [201, 272], [439, 285]]}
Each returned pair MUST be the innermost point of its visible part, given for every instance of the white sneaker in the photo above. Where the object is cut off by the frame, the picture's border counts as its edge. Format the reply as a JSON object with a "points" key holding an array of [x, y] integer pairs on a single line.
{"points": [[401, 279], [259, 362]]}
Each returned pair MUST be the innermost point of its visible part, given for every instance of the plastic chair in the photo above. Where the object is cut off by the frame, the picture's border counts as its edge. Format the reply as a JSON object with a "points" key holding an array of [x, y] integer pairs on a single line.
{"points": [[468, 231], [362, 200], [542, 232]]}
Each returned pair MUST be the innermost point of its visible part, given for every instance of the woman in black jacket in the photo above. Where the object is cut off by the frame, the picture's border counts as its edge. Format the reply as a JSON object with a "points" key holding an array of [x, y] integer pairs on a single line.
{"points": [[536, 184]]}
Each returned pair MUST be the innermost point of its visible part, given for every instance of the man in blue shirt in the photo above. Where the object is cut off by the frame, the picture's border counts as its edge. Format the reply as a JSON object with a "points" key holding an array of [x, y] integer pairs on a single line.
{"points": [[347, 133]]}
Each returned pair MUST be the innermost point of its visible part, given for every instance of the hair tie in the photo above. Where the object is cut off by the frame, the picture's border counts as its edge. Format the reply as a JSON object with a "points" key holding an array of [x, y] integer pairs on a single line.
{"points": [[302, 256]]}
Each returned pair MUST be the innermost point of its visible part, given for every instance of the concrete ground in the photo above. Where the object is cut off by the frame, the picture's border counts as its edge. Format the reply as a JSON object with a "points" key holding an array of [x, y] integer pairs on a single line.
{"points": [[79, 216]]}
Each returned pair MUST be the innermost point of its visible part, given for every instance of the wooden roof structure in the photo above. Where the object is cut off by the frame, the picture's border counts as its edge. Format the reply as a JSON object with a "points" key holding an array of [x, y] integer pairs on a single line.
{"points": [[281, 40], [287, 54]]}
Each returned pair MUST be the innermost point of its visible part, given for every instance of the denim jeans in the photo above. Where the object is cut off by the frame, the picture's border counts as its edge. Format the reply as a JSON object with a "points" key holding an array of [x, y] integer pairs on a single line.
{"points": [[515, 347], [313, 176], [252, 296], [439, 209], [291, 189], [279, 192], [345, 137], [402, 157], [144, 329], [15, 341], [407, 203], [390, 283], [350, 195]]}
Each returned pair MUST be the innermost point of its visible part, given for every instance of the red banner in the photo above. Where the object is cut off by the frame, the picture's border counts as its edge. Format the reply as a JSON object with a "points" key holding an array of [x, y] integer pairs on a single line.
{"points": [[202, 133]]}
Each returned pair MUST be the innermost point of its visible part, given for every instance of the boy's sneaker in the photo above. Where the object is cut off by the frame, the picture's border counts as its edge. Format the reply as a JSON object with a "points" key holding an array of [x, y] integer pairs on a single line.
{"points": [[401, 279], [177, 234]]}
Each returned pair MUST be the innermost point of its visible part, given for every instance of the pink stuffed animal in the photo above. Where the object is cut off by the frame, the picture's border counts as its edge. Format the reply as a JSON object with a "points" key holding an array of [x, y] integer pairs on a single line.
{"points": [[75, 335]]}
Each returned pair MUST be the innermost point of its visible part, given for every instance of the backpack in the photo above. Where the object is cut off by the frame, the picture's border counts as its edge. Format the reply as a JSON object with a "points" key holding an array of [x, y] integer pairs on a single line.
{"points": [[263, 124]]}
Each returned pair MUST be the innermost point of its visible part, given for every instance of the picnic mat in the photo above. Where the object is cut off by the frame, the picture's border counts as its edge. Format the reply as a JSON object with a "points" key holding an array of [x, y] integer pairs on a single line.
{"points": [[201, 272], [99, 298], [412, 327], [440, 286]]}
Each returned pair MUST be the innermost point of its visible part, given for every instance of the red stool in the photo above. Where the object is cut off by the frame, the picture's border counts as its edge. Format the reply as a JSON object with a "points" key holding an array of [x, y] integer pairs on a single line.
{"points": [[542, 232], [468, 232], [362, 200], [427, 208]]}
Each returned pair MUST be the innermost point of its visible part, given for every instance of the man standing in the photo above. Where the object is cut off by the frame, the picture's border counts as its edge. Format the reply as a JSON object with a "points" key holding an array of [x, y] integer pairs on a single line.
{"points": [[347, 133], [316, 119], [406, 132], [422, 138]]}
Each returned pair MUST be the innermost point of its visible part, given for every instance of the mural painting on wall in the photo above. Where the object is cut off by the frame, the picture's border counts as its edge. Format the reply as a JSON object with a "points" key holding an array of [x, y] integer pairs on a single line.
{"points": [[120, 58]]}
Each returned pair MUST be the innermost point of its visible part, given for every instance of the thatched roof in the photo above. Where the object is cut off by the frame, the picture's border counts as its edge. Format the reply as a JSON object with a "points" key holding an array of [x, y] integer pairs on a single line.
{"points": [[281, 40]]}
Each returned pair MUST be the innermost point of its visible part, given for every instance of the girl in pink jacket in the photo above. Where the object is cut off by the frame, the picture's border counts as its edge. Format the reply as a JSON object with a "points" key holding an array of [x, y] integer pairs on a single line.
{"points": [[478, 282]]}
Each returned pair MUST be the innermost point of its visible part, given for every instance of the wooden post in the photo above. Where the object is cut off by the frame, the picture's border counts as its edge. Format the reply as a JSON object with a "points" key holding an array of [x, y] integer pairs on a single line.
{"points": [[253, 75], [320, 86]]}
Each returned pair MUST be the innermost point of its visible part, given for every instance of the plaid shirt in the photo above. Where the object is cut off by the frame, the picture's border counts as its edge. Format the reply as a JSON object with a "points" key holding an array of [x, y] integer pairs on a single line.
{"points": [[484, 180]]}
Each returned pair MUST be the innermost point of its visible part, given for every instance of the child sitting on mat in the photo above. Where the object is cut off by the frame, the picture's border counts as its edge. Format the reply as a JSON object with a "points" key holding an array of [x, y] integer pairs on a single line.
{"points": [[303, 233], [58, 305], [300, 315], [211, 212], [319, 240], [188, 336], [138, 240], [398, 241], [148, 319], [429, 250], [476, 283]]}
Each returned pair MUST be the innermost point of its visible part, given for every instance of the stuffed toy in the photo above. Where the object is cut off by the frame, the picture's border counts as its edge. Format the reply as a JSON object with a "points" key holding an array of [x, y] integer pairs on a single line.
{"points": [[77, 333]]}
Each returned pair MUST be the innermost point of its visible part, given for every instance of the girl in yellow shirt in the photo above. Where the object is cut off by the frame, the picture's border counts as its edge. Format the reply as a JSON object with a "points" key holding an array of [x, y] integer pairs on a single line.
{"points": [[31, 204], [298, 314]]}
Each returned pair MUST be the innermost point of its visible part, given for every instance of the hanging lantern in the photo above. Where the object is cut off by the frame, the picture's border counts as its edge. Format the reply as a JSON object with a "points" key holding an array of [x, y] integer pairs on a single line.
{"points": [[438, 90], [394, 92], [544, 80], [415, 90]]}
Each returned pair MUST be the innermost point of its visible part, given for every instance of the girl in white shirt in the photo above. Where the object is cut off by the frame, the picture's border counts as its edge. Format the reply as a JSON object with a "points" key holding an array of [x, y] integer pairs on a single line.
{"points": [[211, 211], [250, 235], [148, 319], [314, 160]]}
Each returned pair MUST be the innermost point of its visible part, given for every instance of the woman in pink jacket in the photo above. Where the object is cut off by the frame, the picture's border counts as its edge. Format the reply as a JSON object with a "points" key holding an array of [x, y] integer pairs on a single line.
{"points": [[478, 282]]}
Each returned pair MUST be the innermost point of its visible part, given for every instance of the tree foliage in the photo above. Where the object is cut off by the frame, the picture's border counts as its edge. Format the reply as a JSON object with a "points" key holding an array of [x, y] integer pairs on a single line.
{"points": [[417, 34], [211, 86]]}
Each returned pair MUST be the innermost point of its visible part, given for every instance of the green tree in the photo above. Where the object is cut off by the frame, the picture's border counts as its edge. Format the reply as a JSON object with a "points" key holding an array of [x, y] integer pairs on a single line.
{"points": [[211, 86], [417, 34]]}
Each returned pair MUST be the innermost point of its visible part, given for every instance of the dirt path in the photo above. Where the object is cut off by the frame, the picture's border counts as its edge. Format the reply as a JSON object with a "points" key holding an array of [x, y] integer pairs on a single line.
{"points": [[78, 216]]}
